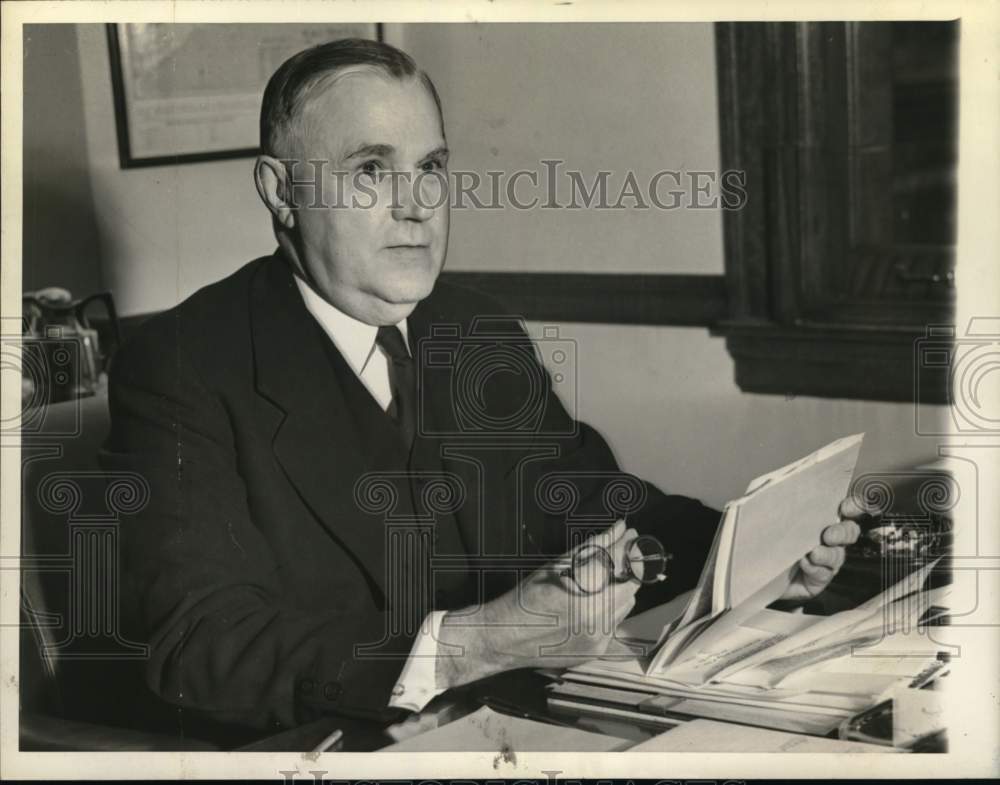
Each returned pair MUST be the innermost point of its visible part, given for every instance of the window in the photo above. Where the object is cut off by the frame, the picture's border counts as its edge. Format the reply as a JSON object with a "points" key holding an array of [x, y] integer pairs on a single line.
{"points": [[844, 253]]}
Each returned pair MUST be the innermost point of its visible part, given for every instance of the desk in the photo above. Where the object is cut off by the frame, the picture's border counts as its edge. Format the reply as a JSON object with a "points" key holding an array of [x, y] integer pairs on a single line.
{"points": [[693, 736], [859, 579], [520, 694], [526, 688]]}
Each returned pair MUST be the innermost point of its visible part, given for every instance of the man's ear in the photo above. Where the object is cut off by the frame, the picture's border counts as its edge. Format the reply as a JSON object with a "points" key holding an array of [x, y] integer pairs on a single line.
{"points": [[271, 179]]}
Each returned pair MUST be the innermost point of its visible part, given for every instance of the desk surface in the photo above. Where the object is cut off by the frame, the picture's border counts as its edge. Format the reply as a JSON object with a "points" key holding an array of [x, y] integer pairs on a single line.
{"points": [[696, 735], [526, 688], [858, 580], [522, 695]]}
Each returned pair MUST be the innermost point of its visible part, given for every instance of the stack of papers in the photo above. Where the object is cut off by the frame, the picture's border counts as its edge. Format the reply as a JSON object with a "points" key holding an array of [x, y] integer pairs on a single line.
{"points": [[721, 653], [710, 736], [763, 534]]}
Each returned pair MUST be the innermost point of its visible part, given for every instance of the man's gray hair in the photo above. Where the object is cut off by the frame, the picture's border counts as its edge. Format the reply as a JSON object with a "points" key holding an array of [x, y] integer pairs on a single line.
{"points": [[289, 87]]}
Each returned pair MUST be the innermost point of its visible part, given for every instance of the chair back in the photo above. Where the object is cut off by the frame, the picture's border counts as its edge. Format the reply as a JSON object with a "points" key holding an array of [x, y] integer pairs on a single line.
{"points": [[77, 659]]}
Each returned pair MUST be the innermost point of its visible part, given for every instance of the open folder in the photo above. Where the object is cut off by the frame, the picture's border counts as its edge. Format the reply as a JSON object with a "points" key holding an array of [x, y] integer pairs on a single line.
{"points": [[763, 535]]}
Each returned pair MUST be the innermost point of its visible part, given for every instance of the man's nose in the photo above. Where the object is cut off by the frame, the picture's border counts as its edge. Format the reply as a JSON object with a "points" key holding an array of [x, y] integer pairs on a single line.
{"points": [[411, 202]]}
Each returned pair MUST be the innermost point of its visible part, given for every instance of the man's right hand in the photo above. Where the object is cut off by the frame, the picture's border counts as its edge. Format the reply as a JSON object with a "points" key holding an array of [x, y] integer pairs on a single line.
{"points": [[545, 621]]}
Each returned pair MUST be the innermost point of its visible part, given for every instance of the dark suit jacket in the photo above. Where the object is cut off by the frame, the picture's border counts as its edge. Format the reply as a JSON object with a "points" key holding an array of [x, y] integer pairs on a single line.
{"points": [[255, 570]]}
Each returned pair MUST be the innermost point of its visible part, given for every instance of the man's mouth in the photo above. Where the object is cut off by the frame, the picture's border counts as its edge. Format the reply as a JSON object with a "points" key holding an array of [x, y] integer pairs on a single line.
{"points": [[408, 250]]}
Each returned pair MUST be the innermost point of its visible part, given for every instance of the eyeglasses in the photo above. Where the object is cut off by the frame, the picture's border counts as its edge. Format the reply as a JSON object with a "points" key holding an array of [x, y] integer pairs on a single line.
{"points": [[592, 568]]}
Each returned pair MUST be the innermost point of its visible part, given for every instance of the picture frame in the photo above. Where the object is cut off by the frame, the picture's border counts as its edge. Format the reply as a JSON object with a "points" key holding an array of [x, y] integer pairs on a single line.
{"points": [[191, 93]]}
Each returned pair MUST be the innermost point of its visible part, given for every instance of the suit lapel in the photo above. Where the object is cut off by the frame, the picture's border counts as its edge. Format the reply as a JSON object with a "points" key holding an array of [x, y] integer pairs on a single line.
{"points": [[436, 414], [489, 520], [317, 441]]}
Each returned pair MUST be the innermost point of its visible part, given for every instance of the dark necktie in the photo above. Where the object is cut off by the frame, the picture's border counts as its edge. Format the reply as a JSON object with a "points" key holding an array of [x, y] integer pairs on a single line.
{"points": [[402, 380]]}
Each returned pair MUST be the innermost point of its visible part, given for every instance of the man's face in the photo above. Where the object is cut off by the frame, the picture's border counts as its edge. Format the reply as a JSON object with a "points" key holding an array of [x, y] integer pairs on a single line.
{"points": [[375, 249]]}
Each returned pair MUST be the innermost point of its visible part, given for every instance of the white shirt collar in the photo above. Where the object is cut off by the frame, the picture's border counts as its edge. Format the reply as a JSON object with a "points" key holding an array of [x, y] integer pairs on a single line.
{"points": [[354, 339]]}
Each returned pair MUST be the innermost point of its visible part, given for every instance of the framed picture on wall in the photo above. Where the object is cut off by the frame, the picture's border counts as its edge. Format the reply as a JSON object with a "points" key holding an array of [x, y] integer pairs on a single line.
{"points": [[191, 92]]}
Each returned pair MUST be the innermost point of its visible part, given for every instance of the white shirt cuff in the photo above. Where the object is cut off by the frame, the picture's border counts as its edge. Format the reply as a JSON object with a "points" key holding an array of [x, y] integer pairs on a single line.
{"points": [[417, 685]]}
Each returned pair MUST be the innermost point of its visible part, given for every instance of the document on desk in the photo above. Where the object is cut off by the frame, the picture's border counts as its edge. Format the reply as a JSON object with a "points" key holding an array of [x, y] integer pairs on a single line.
{"points": [[486, 730], [766, 648], [761, 538], [783, 710], [840, 635], [712, 736]]}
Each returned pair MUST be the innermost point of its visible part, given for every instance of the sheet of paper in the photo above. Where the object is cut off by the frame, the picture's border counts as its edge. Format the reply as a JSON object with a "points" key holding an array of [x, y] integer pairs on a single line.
{"points": [[715, 633], [869, 673], [731, 640], [712, 736], [809, 460], [627, 699], [701, 603], [777, 717], [831, 630], [488, 731], [773, 671], [912, 643], [788, 700], [722, 568], [782, 519], [649, 625], [907, 585], [678, 641], [798, 713], [915, 714]]}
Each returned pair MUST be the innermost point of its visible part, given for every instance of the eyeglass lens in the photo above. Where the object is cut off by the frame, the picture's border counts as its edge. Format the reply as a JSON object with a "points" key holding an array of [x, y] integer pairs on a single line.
{"points": [[592, 568], [647, 560]]}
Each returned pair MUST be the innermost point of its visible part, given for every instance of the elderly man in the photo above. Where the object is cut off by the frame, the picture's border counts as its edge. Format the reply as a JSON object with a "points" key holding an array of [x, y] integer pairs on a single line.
{"points": [[326, 531]]}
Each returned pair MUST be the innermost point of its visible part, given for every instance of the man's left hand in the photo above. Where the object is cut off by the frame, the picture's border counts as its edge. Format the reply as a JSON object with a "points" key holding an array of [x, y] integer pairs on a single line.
{"points": [[816, 569]]}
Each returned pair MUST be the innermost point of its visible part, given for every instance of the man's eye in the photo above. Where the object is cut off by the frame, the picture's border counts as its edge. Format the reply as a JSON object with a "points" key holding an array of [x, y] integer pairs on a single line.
{"points": [[371, 168], [433, 165]]}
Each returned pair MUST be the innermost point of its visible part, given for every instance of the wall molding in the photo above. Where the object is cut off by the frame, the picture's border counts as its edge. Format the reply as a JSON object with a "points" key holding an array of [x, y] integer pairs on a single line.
{"points": [[677, 300], [665, 300]]}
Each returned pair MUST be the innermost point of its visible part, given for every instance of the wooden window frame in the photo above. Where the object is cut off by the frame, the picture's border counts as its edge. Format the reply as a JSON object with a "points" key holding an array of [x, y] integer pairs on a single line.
{"points": [[786, 120]]}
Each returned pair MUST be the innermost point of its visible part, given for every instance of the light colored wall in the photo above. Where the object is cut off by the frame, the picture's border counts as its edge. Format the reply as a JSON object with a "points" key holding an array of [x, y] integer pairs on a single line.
{"points": [[629, 96], [165, 231], [616, 97]]}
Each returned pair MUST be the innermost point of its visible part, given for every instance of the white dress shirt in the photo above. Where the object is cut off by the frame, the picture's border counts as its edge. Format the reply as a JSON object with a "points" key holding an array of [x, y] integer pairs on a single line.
{"points": [[355, 340]]}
